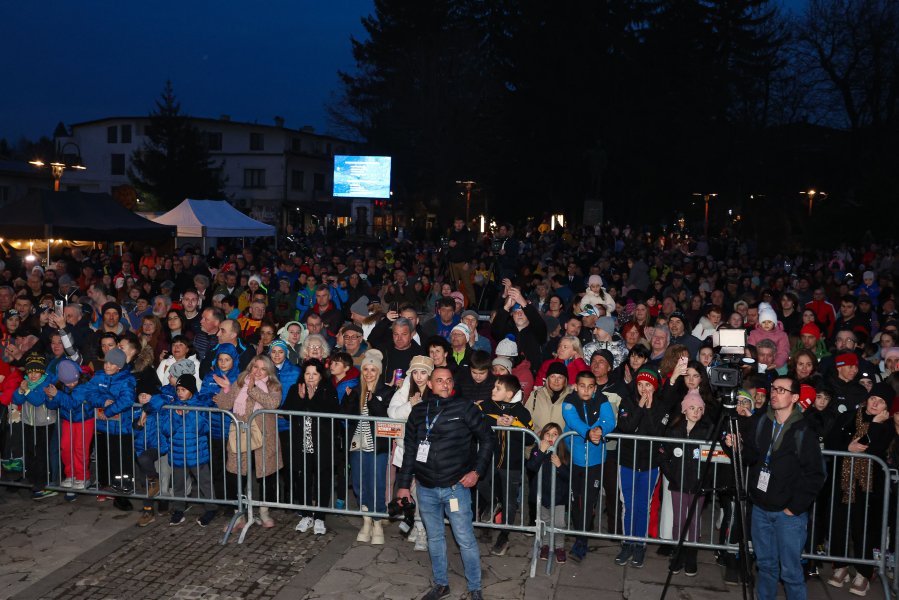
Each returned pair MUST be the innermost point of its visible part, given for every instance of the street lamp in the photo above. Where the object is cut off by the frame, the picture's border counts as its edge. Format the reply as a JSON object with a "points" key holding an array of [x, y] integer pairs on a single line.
{"points": [[59, 164], [811, 198], [706, 198], [468, 187]]}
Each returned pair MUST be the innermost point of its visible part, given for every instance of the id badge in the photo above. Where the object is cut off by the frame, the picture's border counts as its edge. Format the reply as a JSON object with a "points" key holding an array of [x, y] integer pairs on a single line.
{"points": [[454, 504], [764, 477], [423, 449]]}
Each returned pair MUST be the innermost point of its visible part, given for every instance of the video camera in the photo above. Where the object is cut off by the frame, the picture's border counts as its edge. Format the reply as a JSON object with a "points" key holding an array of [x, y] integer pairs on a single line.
{"points": [[405, 508]]}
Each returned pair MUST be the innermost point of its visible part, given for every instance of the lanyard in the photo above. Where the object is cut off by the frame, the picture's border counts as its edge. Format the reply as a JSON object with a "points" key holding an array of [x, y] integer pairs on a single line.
{"points": [[429, 424], [774, 437]]}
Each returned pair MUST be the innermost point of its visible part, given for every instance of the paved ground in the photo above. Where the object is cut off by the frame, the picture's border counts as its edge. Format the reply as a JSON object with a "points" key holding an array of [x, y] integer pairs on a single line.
{"points": [[52, 549]]}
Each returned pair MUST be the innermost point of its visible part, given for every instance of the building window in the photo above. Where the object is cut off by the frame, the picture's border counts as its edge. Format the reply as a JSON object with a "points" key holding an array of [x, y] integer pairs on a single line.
{"points": [[126, 134], [296, 144], [112, 135], [257, 141], [213, 140], [117, 164], [318, 182], [254, 178], [298, 181]]}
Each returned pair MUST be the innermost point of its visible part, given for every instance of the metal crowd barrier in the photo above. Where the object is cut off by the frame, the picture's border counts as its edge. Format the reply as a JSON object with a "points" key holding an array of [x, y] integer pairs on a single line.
{"points": [[75, 458]]}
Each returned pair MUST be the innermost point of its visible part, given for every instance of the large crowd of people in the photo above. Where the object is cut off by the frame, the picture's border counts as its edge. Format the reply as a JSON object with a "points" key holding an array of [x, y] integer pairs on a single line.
{"points": [[589, 330]]}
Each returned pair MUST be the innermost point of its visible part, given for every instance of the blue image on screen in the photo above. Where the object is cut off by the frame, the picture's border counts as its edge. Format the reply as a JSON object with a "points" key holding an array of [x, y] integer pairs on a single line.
{"points": [[362, 176]]}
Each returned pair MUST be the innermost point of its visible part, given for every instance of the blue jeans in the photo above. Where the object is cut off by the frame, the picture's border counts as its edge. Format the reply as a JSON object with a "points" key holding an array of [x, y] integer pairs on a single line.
{"points": [[369, 475], [778, 539], [637, 488], [433, 504]]}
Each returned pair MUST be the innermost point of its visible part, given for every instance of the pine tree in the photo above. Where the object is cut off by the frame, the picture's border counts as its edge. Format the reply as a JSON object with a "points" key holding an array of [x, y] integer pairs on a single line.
{"points": [[173, 163]]}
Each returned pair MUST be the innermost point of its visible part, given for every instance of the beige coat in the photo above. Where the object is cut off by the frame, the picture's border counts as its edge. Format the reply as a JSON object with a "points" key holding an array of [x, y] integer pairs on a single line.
{"points": [[267, 460], [543, 411]]}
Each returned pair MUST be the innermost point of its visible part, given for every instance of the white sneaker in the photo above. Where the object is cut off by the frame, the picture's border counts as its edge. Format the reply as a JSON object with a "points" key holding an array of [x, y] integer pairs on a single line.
{"points": [[319, 528], [413, 535], [421, 543], [79, 485], [304, 524], [67, 482]]}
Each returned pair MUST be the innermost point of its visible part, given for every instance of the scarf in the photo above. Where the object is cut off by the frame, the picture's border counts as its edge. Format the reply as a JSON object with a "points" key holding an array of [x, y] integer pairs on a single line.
{"points": [[240, 403], [852, 470], [33, 384]]}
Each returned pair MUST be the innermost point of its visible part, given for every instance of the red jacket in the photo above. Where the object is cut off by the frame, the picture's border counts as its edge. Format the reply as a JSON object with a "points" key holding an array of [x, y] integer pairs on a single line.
{"points": [[574, 367], [12, 377]]}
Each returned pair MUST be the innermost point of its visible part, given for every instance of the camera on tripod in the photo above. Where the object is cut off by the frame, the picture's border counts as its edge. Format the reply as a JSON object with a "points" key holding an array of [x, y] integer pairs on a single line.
{"points": [[727, 377], [403, 508]]}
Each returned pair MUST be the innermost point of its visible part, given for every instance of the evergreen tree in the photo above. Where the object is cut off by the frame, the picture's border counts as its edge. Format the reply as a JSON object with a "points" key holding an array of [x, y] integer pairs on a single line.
{"points": [[174, 162]]}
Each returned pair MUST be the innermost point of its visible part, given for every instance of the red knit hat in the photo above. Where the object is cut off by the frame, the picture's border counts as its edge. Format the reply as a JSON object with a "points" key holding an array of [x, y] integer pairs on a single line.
{"points": [[806, 396], [847, 359], [811, 329], [648, 375]]}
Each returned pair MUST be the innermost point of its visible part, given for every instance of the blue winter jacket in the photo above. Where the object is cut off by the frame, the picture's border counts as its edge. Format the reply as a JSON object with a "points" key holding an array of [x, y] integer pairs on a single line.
{"points": [[74, 404], [187, 433], [218, 424], [288, 375], [121, 389], [151, 435], [37, 409], [581, 417]]}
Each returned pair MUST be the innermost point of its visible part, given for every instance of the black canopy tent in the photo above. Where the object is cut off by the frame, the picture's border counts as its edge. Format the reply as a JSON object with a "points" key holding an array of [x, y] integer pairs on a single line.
{"points": [[44, 214]]}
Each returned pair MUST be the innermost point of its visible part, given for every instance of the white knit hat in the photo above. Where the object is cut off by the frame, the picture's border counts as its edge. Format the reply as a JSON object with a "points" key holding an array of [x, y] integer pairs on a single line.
{"points": [[373, 357], [766, 313], [507, 347]]}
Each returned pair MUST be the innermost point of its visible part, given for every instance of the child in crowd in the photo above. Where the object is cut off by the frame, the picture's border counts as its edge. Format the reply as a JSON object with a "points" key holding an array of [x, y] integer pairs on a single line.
{"points": [[505, 409], [541, 457], [681, 464], [149, 445], [769, 328], [76, 423], [39, 417], [10, 451], [226, 366], [475, 383], [186, 432]]}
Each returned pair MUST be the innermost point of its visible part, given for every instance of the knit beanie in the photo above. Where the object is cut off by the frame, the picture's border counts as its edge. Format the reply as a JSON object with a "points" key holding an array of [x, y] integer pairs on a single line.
{"points": [[648, 375], [884, 391], [691, 399], [607, 324], [811, 329], [507, 347], [557, 367], [188, 382], [360, 306], [111, 306], [67, 371], [116, 357], [373, 357], [807, 395], [35, 362], [280, 344], [594, 280], [766, 313], [504, 362], [185, 366], [461, 328], [422, 363]]}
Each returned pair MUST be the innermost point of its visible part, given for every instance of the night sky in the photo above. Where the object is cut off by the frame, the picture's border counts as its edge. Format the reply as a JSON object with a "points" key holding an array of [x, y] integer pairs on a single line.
{"points": [[78, 61]]}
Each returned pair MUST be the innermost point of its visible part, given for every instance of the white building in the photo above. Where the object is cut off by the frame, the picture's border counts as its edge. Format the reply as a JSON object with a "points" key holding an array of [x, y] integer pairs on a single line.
{"points": [[277, 173]]}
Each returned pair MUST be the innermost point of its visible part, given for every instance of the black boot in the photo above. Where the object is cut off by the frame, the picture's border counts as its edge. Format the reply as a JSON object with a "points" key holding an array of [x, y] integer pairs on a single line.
{"points": [[122, 503], [690, 566], [677, 562], [733, 573]]}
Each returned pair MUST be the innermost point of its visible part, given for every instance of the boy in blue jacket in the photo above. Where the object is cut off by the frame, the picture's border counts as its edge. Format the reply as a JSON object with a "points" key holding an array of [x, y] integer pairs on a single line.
{"points": [[187, 433], [149, 445], [589, 414], [39, 417]]}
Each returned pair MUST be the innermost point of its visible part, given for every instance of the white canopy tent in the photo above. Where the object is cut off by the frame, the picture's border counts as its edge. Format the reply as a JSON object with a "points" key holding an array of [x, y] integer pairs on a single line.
{"points": [[213, 218]]}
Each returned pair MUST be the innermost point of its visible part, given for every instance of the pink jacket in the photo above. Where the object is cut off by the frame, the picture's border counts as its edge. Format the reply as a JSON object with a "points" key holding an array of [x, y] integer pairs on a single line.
{"points": [[778, 336]]}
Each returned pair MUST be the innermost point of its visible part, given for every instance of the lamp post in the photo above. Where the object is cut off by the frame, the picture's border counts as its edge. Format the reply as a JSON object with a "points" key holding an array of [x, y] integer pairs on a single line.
{"points": [[468, 187], [706, 198], [59, 164], [811, 198]]}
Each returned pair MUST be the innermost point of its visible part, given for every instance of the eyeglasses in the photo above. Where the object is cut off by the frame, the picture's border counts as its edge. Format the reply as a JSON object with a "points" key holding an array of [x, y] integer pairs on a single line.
{"points": [[351, 337], [781, 390]]}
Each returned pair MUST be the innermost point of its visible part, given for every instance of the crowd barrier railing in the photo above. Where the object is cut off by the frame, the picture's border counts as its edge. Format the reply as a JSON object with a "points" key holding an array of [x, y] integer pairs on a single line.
{"points": [[131, 455], [309, 478]]}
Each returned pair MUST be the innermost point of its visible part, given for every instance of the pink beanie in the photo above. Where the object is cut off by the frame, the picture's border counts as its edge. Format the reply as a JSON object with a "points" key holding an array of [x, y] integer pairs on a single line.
{"points": [[691, 399]]}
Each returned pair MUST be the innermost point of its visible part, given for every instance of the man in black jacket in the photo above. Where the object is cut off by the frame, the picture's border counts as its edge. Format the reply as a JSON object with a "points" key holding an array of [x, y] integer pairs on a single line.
{"points": [[786, 472], [459, 254], [519, 318], [437, 428]]}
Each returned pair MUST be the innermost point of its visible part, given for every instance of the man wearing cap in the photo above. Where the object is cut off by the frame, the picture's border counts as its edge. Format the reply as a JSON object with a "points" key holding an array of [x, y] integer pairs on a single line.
{"points": [[519, 318], [810, 338], [679, 327], [603, 340], [350, 339], [476, 341], [461, 351], [845, 340], [444, 321], [111, 315], [848, 394]]}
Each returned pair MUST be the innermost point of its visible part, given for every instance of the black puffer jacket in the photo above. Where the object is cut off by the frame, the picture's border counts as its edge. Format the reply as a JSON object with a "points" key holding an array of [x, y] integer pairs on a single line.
{"points": [[454, 433]]}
